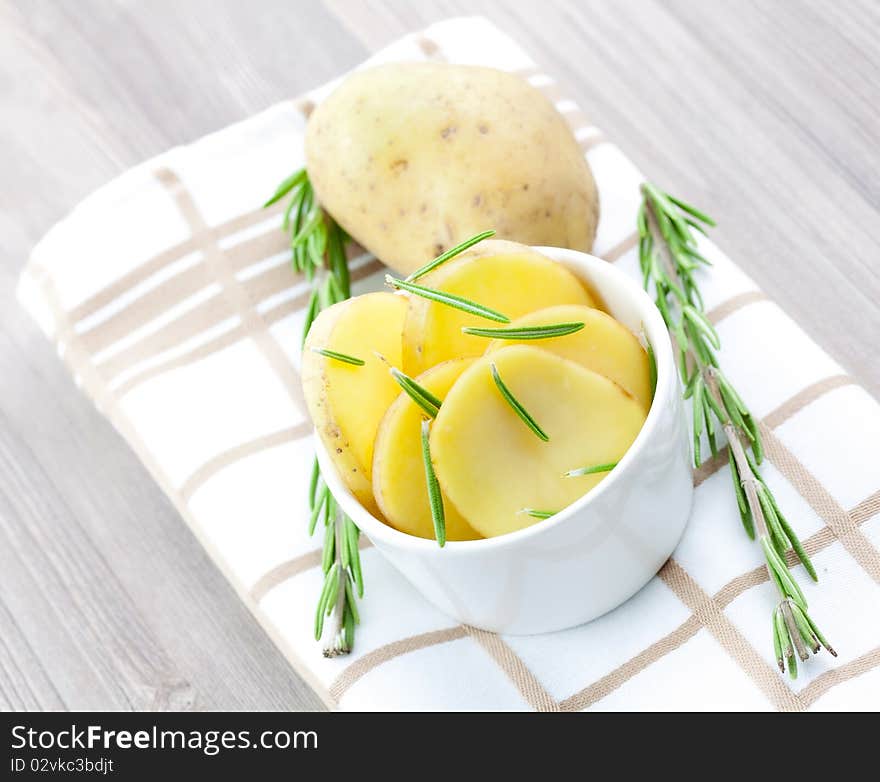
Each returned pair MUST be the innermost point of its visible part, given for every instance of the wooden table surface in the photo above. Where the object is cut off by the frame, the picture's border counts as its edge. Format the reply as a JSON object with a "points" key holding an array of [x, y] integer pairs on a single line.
{"points": [[763, 113]]}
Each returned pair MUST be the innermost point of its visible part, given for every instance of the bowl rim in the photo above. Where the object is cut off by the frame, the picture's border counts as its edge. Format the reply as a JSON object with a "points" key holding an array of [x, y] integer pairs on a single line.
{"points": [[654, 328]]}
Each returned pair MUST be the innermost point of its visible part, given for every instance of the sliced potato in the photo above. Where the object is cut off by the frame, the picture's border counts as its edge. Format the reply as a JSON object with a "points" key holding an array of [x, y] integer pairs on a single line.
{"points": [[492, 466], [511, 278], [603, 345], [398, 468], [347, 402]]}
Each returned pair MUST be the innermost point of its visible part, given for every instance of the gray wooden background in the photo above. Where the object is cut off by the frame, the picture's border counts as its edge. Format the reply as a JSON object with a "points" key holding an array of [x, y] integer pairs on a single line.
{"points": [[766, 114]]}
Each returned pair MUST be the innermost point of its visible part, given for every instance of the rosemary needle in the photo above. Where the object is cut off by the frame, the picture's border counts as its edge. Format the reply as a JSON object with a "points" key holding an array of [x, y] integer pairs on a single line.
{"points": [[350, 538], [438, 516], [449, 254], [691, 210], [537, 514], [327, 598], [592, 470], [313, 483], [343, 357], [517, 407], [525, 332], [449, 299], [418, 393], [294, 180], [652, 367]]}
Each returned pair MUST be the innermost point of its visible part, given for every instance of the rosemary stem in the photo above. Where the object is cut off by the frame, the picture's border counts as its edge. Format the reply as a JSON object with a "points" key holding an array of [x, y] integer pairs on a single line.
{"points": [[748, 480], [793, 631]]}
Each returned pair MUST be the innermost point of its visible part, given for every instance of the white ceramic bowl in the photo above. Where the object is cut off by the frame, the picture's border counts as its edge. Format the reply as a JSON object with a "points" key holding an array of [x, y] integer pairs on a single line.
{"points": [[588, 558]]}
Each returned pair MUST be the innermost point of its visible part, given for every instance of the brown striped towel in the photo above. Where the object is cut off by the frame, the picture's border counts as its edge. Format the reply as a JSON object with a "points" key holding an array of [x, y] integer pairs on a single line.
{"points": [[170, 296]]}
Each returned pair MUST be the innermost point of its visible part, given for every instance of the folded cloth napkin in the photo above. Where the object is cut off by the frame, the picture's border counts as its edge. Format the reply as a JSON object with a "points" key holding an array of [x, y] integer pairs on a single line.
{"points": [[170, 296]]}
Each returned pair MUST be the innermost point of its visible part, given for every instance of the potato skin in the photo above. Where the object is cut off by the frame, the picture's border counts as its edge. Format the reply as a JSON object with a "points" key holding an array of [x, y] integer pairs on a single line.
{"points": [[413, 158]]}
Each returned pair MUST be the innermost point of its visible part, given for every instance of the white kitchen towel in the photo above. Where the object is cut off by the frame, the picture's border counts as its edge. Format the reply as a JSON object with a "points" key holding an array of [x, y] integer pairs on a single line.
{"points": [[170, 295]]}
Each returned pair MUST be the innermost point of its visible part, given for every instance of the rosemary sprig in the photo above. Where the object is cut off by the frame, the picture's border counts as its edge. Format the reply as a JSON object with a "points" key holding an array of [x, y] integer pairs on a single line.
{"points": [[449, 299], [336, 356], [591, 470], [515, 404], [435, 498], [525, 332], [449, 254], [317, 246], [669, 257]]}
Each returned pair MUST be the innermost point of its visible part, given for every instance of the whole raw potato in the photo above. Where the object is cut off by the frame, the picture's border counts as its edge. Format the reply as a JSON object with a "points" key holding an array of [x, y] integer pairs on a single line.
{"points": [[413, 158]]}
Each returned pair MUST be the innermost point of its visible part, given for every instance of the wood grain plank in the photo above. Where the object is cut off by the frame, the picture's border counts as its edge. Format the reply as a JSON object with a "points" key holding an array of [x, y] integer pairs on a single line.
{"points": [[24, 683], [98, 571]]}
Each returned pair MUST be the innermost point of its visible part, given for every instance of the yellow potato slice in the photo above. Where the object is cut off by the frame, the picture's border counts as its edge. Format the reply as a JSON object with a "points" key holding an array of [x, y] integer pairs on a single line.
{"points": [[603, 345], [398, 468], [505, 276], [347, 402], [492, 466]]}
